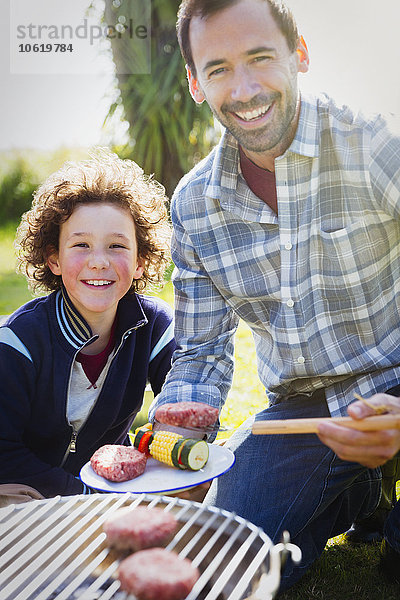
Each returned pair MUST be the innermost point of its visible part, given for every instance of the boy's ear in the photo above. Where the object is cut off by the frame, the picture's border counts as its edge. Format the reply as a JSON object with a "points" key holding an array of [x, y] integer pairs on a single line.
{"points": [[303, 56], [139, 269], [194, 87], [52, 260]]}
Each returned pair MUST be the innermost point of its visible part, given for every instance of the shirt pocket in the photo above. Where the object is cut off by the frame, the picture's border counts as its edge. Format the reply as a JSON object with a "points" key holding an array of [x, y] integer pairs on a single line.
{"points": [[344, 263]]}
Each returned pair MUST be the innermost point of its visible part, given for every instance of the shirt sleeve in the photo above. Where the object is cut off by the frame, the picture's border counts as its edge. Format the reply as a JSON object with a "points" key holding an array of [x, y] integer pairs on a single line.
{"points": [[385, 163], [205, 324]]}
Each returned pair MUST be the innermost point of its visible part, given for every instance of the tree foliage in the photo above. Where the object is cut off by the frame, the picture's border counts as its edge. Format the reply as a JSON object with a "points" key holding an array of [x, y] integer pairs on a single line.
{"points": [[168, 132], [17, 185]]}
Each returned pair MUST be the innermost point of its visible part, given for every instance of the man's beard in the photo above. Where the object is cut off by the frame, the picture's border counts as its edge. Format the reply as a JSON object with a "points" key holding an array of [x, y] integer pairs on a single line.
{"points": [[267, 137]]}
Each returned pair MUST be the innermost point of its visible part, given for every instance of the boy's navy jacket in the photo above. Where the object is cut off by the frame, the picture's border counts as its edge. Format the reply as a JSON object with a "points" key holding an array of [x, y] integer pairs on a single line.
{"points": [[38, 346]]}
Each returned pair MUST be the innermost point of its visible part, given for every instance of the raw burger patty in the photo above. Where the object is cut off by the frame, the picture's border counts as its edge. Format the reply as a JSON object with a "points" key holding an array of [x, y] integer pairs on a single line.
{"points": [[118, 463], [157, 574], [189, 414], [138, 528]]}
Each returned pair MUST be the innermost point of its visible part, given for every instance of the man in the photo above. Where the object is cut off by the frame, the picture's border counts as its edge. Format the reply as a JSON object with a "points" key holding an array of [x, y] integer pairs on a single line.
{"points": [[286, 224]]}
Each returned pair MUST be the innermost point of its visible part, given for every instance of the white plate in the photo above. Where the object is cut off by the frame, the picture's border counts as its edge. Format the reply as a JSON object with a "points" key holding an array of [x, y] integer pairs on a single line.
{"points": [[159, 478]]}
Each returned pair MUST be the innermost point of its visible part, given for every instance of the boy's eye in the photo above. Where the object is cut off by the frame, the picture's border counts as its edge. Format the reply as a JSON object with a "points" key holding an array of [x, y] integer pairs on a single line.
{"points": [[117, 246], [81, 245]]}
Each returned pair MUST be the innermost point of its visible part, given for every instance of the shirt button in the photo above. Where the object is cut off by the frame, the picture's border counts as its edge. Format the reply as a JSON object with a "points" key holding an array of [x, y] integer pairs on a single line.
{"points": [[301, 360], [288, 246], [290, 303]]}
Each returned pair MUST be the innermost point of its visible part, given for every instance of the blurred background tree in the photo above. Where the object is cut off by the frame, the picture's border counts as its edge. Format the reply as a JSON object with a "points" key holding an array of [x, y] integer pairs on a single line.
{"points": [[17, 184], [168, 133]]}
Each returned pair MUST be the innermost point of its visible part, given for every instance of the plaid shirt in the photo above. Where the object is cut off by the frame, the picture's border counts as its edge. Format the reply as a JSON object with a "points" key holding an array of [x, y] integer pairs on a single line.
{"points": [[318, 284]]}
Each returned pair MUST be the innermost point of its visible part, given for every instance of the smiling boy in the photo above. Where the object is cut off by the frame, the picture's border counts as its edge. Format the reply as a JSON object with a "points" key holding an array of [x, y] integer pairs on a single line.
{"points": [[97, 261], [74, 364]]}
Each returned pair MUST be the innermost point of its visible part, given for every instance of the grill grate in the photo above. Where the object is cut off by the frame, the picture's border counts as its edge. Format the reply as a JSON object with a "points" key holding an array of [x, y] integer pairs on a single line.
{"points": [[55, 549]]}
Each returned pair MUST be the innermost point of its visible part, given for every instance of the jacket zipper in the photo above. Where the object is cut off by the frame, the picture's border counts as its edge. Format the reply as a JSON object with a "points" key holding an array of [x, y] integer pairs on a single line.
{"points": [[71, 449], [72, 443]]}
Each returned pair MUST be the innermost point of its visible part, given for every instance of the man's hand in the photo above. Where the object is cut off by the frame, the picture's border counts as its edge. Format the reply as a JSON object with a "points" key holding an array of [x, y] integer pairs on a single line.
{"points": [[369, 448]]}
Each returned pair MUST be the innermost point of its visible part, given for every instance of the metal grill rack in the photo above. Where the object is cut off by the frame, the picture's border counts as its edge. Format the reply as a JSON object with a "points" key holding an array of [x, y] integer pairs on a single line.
{"points": [[55, 549]]}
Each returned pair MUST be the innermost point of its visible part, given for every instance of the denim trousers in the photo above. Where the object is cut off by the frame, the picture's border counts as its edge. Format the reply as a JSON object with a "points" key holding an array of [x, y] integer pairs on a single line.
{"points": [[391, 531], [295, 483]]}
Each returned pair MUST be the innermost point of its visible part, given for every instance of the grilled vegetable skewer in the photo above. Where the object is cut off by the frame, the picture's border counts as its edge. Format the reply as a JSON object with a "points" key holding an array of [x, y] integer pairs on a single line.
{"points": [[172, 448]]}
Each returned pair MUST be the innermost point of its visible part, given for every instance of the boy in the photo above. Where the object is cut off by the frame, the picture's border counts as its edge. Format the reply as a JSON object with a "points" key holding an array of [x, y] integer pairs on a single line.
{"points": [[74, 364]]}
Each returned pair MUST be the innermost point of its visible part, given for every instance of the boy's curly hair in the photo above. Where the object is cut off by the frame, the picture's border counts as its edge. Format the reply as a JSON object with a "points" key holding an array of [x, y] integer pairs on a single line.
{"points": [[105, 178]]}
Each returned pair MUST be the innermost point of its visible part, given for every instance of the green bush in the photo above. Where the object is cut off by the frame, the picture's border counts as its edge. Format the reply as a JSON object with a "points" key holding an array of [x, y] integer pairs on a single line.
{"points": [[17, 185]]}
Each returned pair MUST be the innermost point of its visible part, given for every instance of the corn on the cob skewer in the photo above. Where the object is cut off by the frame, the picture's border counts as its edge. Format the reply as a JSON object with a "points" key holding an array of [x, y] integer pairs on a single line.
{"points": [[171, 448], [162, 445]]}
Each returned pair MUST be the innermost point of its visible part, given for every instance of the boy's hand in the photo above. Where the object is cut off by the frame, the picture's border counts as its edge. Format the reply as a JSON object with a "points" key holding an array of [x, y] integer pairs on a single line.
{"points": [[369, 448]]}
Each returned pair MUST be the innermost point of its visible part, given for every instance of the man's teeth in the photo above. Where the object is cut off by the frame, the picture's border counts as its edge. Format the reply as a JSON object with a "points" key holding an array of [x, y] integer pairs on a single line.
{"points": [[98, 281], [249, 115]]}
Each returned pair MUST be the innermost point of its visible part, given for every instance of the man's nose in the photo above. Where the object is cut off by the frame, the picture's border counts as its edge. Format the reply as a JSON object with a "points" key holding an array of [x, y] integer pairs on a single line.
{"points": [[244, 86]]}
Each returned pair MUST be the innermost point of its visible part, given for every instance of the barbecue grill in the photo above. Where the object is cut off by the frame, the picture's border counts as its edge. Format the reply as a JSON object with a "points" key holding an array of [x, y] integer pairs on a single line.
{"points": [[55, 549]]}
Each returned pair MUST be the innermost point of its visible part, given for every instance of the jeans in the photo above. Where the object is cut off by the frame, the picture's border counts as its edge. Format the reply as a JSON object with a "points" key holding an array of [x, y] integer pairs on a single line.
{"points": [[294, 482], [391, 530]]}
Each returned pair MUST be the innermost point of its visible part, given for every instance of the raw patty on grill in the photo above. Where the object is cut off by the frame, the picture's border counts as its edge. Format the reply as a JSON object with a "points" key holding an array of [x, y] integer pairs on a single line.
{"points": [[157, 574], [138, 528], [187, 414], [118, 463]]}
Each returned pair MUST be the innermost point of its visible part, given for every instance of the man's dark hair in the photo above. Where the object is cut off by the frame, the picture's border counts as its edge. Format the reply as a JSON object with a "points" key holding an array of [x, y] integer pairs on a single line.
{"points": [[206, 8]]}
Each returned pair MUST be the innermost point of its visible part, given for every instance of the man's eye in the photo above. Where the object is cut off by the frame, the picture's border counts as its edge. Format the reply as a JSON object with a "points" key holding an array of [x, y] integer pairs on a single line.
{"points": [[216, 71], [259, 59]]}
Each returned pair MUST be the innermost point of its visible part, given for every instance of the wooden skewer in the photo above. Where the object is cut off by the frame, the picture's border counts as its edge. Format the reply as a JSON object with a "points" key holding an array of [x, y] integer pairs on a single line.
{"points": [[379, 410], [374, 423]]}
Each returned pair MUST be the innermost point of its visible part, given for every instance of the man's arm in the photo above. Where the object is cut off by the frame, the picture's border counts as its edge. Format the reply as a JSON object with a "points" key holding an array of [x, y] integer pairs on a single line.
{"points": [[372, 449], [369, 448], [384, 165], [202, 365]]}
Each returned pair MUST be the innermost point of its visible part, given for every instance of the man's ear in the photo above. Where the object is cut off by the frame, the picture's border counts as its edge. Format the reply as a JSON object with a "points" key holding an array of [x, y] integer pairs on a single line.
{"points": [[303, 56], [194, 87], [52, 260]]}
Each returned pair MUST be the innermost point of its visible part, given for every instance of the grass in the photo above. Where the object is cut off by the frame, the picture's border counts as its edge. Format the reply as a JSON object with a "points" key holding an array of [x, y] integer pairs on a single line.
{"points": [[343, 572]]}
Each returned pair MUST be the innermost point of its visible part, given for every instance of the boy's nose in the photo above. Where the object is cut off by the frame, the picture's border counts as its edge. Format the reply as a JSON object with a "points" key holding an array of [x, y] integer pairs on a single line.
{"points": [[98, 260]]}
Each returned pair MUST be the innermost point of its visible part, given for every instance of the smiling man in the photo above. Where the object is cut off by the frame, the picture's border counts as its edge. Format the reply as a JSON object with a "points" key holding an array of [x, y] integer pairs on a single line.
{"points": [[292, 224], [249, 81]]}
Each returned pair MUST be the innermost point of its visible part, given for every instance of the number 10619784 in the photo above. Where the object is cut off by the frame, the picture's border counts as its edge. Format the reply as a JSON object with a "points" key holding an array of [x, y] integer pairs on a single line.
{"points": [[45, 48]]}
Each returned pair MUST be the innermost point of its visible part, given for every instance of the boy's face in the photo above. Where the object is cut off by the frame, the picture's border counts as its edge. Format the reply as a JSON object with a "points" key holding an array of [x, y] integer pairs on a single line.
{"points": [[97, 258]]}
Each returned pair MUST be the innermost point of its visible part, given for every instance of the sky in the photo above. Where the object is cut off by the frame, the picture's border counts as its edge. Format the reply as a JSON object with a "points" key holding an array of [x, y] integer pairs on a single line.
{"points": [[354, 57]]}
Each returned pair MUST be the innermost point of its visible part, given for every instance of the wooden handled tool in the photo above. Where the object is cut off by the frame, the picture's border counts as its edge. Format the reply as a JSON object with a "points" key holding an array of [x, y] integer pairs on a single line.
{"points": [[374, 423]]}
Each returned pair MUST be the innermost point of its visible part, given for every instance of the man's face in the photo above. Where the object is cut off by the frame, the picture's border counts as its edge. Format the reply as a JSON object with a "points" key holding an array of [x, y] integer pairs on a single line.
{"points": [[247, 75]]}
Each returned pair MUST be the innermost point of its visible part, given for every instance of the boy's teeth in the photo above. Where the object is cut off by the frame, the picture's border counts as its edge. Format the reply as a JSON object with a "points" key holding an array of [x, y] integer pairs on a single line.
{"points": [[253, 114], [98, 281]]}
